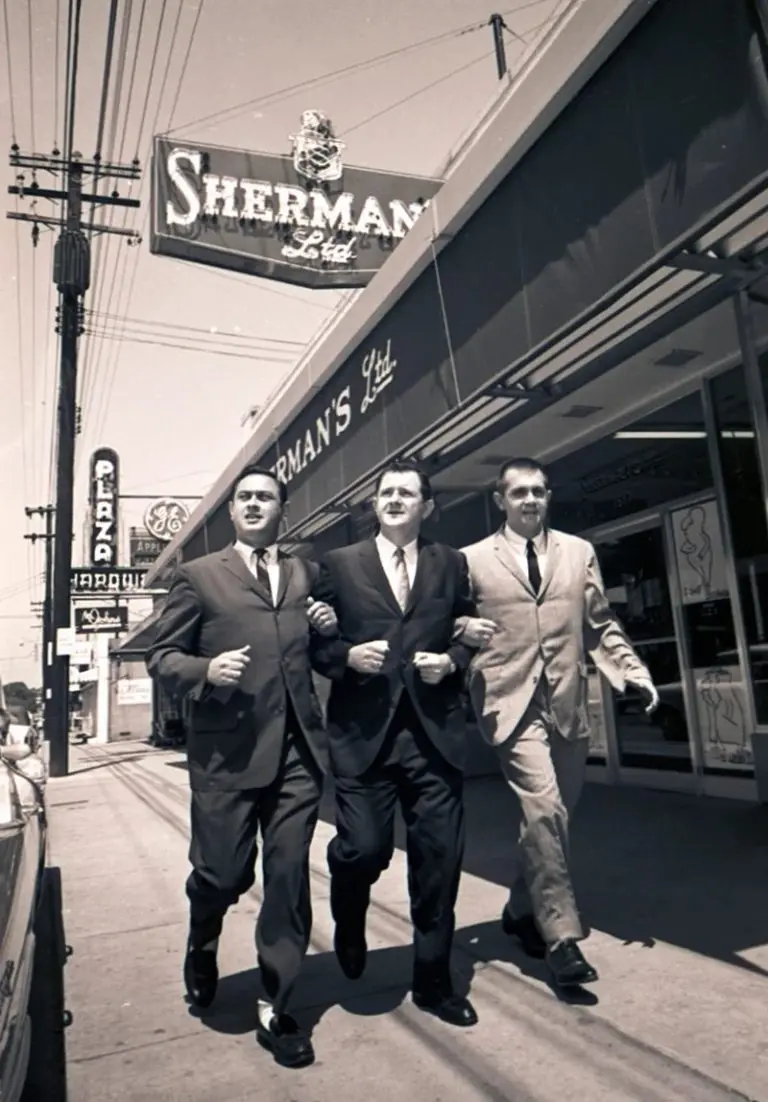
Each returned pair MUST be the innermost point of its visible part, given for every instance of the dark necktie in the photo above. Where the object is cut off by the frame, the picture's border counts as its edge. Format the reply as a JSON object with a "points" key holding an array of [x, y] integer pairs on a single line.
{"points": [[262, 573], [402, 585], [534, 574]]}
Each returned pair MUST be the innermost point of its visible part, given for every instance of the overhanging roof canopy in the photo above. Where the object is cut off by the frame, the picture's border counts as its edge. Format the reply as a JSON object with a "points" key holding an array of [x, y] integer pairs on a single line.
{"points": [[579, 40]]}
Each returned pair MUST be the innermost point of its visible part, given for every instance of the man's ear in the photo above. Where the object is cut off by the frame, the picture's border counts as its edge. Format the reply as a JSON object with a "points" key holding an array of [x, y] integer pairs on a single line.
{"points": [[429, 508]]}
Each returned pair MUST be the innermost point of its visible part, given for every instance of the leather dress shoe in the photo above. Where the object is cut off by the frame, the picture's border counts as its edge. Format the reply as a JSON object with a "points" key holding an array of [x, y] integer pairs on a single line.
{"points": [[289, 1045], [351, 951], [449, 1008], [527, 933], [568, 965], [201, 976]]}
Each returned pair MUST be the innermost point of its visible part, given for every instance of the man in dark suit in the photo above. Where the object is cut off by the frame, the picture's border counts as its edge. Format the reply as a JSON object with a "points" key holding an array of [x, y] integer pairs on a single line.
{"points": [[234, 637], [396, 729]]}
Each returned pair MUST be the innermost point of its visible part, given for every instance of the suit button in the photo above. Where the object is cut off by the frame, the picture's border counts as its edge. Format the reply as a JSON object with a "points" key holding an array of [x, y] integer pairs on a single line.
{"points": [[240, 715]]}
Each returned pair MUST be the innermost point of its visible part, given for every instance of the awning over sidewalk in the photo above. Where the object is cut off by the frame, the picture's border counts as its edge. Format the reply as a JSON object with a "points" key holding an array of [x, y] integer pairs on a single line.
{"points": [[135, 643]]}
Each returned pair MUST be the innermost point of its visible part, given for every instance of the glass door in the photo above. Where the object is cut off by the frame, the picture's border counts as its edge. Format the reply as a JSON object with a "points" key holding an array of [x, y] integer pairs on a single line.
{"points": [[635, 569]]}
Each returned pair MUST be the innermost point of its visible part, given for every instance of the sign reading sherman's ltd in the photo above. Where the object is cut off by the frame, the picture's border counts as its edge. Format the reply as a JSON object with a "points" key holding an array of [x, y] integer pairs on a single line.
{"points": [[304, 218]]}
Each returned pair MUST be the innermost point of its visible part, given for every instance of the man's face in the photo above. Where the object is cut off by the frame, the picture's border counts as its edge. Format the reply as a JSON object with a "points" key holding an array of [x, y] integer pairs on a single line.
{"points": [[525, 500], [398, 505], [255, 509]]}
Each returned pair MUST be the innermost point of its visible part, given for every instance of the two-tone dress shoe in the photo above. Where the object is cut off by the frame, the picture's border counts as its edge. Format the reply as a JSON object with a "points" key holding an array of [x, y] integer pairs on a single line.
{"points": [[201, 976], [527, 933], [290, 1046], [568, 965]]}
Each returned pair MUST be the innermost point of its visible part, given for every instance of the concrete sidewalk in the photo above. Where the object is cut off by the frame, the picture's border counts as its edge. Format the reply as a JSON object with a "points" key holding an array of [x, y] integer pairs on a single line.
{"points": [[675, 889]]}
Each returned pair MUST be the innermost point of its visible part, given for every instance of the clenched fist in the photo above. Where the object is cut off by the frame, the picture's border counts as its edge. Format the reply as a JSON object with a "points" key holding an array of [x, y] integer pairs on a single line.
{"points": [[368, 657], [432, 668], [226, 669], [478, 632], [322, 617]]}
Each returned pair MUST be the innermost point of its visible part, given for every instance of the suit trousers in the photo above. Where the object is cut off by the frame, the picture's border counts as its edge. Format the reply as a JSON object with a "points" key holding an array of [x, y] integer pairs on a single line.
{"points": [[408, 771], [223, 853], [546, 773]]}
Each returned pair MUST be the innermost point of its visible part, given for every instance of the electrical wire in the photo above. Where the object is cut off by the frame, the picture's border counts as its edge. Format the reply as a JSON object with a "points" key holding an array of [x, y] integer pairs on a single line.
{"points": [[186, 62], [56, 104], [251, 357], [9, 69], [188, 328], [31, 77]]}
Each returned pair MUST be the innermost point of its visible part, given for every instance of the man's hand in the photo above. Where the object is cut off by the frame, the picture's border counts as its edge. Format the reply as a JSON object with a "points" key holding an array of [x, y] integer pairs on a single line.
{"points": [[228, 668], [648, 690], [368, 657], [322, 617], [432, 668], [478, 632]]}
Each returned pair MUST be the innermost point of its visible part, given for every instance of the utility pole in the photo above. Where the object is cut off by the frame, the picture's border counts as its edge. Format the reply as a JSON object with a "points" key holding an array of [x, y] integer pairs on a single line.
{"points": [[498, 24], [48, 512], [72, 276]]}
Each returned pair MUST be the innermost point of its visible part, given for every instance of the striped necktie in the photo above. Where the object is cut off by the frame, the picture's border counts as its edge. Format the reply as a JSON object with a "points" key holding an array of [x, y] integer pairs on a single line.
{"points": [[402, 584]]}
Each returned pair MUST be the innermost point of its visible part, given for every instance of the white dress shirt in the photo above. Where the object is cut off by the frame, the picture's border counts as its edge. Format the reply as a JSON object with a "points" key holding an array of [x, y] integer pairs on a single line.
{"points": [[519, 545], [387, 551], [248, 555]]}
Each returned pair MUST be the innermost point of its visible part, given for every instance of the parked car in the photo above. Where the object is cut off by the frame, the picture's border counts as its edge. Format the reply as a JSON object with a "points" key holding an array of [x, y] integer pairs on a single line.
{"points": [[22, 863]]}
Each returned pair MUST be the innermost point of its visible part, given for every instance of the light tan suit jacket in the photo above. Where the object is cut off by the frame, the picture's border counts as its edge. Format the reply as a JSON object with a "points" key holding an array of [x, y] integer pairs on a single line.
{"points": [[548, 636]]}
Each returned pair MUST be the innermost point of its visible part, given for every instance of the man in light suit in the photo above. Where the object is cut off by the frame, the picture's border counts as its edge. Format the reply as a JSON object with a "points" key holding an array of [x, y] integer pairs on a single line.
{"points": [[234, 638], [541, 609]]}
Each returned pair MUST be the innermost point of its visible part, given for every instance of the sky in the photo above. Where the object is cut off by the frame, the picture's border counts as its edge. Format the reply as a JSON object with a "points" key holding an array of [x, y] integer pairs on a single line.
{"points": [[225, 72]]}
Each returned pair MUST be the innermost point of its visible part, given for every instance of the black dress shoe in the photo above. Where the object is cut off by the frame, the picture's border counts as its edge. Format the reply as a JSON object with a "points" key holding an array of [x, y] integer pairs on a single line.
{"points": [[201, 976], [289, 1045], [452, 1009], [351, 951], [527, 933], [568, 966]]}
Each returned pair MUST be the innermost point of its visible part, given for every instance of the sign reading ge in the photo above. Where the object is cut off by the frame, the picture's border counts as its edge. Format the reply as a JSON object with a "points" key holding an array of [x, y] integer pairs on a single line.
{"points": [[303, 218], [165, 517]]}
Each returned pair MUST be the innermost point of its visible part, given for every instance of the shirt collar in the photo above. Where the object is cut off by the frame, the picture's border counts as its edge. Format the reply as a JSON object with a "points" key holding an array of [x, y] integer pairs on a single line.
{"points": [[246, 553], [387, 548], [520, 543]]}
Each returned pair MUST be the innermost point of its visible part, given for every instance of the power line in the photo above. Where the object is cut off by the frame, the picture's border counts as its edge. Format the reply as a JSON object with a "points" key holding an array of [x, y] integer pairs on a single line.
{"points": [[186, 61], [189, 328], [265, 357], [324, 78], [9, 69], [31, 77]]}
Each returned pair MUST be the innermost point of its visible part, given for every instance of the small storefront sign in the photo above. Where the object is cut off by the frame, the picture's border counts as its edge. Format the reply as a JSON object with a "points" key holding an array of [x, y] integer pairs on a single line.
{"points": [[304, 218], [104, 505], [134, 691], [90, 618], [85, 580], [144, 548]]}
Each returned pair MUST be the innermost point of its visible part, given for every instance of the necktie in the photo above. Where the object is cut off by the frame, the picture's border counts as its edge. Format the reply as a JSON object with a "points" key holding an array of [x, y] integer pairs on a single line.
{"points": [[534, 574], [402, 585], [262, 574]]}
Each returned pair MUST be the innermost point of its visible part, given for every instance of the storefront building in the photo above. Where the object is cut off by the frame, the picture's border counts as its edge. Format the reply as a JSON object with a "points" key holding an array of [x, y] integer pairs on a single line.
{"points": [[588, 288]]}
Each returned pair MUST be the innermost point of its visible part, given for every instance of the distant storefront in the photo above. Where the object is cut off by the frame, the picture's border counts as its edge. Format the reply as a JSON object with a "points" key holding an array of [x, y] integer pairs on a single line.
{"points": [[591, 291]]}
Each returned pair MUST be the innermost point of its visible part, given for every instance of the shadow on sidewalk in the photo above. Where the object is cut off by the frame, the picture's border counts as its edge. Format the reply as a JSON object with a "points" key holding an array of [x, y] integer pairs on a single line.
{"points": [[648, 866]]}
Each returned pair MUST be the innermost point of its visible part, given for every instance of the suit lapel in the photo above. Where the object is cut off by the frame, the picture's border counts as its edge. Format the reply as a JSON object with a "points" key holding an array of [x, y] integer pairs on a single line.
{"points": [[286, 564], [424, 569], [234, 562], [374, 571], [506, 555], [553, 552]]}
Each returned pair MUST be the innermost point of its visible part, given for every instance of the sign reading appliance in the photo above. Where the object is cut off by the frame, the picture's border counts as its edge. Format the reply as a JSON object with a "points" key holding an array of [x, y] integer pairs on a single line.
{"points": [[90, 618], [305, 219], [85, 580], [165, 518], [104, 499]]}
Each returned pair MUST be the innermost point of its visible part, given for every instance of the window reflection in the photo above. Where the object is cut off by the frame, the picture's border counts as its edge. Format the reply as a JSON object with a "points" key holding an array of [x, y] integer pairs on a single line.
{"points": [[745, 503], [649, 463]]}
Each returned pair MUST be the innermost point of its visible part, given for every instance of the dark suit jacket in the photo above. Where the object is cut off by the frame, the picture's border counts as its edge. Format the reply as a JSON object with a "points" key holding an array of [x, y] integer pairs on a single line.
{"points": [[215, 604], [360, 707]]}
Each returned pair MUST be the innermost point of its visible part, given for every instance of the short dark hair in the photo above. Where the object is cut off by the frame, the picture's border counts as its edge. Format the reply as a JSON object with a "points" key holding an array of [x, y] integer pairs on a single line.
{"points": [[406, 466], [255, 468], [519, 463]]}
